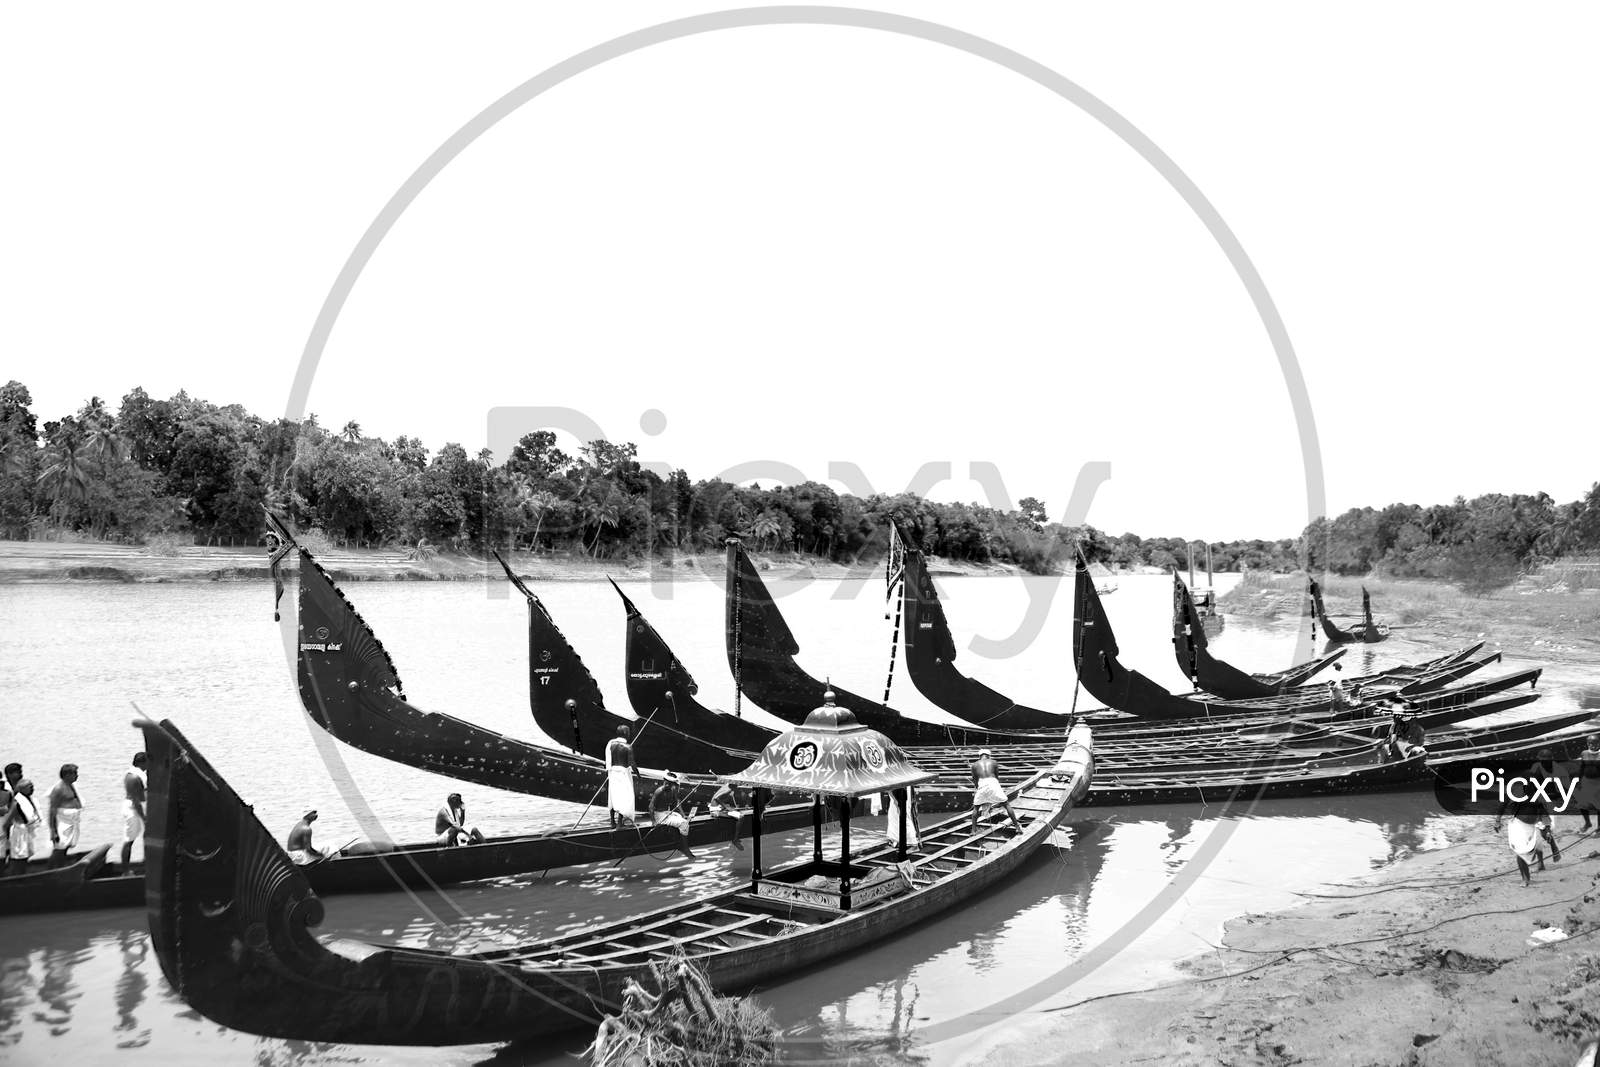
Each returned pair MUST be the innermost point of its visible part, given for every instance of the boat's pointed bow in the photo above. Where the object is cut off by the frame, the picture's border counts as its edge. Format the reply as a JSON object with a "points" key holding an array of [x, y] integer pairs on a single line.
{"points": [[224, 901]]}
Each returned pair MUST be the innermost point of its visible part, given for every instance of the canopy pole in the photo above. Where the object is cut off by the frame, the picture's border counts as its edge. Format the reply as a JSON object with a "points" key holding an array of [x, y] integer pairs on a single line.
{"points": [[903, 798], [844, 851], [758, 801], [816, 827]]}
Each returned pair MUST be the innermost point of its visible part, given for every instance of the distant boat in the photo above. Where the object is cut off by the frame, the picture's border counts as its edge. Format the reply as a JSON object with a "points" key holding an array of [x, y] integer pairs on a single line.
{"points": [[1104, 582], [1205, 600]]}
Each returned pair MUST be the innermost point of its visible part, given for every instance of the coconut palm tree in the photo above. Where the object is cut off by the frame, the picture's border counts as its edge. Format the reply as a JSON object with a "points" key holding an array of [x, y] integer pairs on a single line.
{"points": [[603, 509], [66, 479], [351, 432], [766, 527]]}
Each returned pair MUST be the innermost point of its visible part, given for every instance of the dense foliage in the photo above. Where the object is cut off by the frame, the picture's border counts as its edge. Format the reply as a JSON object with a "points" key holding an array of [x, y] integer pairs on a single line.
{"points": [[1480, 543], [192, 470]]}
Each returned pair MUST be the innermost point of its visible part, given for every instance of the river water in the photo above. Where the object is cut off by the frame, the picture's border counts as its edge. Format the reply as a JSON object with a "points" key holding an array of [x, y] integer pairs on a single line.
{"points": [[77, 659]]}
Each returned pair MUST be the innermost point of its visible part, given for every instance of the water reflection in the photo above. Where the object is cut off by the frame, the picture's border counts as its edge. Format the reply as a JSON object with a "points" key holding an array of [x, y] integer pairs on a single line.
{"points": [[131, 988]]}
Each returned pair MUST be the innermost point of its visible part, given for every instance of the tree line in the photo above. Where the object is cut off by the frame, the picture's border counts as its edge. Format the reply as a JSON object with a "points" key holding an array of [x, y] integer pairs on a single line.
{"points": [[188, 469]]}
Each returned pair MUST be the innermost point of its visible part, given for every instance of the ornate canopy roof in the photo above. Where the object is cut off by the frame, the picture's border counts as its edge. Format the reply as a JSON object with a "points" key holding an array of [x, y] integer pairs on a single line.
{"points": [[832, 754]]}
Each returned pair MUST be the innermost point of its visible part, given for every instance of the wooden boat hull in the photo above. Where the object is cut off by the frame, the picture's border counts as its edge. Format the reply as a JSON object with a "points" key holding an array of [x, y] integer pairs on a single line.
{"points": [[230, 920], [46, 888]]}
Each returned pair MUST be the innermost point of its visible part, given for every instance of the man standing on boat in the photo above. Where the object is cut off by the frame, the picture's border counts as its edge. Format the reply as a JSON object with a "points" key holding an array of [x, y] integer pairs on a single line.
{"points": [[7, 791], [664, 804], [134, 793], [620, 770], [987, 791], [66, 810], [21, 826]]}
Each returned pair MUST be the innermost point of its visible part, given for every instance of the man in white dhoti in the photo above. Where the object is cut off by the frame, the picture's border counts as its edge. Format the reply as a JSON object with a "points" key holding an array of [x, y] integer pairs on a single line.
{"points": [[913, 836], [620, 770], [987, 791], [1530, 821], [22, 824], [134, 788], [13, 775], [66, 812]]}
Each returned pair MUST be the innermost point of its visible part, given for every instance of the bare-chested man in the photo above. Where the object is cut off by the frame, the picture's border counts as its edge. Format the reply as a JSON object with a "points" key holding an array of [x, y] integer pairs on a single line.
{"points": [[987, 790], [299, 845], [135, 792], [66, 811]]}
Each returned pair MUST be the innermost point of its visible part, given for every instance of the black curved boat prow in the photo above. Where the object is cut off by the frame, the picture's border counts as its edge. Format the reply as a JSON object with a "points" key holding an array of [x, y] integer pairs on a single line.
{"points": [[1365, 632], [1212, 675], [1094, 650], [761, 652], [231, 916], [350, 688], [568, 706], [930, 661], [659, 684]]}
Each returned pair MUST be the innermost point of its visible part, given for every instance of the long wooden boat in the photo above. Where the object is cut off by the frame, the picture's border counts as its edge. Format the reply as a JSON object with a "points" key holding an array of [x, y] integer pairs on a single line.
{"points": [[931, 654], [44, 888], [1367, 631], [350, 688], [761, 651], [1277, 780], [91, 882], [569, 708], [1191, 644], [231, 918], [1129, 692]]}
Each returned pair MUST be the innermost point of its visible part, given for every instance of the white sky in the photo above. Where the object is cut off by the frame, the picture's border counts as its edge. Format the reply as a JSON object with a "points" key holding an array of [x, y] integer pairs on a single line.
{"points": [[815, 244]]}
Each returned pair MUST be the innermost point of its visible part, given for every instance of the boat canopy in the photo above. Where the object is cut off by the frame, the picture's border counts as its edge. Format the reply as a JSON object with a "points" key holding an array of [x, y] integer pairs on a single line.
{"points": [[831, 754]]}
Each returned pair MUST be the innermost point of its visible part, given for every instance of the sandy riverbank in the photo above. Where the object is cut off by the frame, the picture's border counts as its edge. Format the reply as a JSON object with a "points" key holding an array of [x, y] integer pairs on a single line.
{"points": [[1428, 961], [70, 561]]}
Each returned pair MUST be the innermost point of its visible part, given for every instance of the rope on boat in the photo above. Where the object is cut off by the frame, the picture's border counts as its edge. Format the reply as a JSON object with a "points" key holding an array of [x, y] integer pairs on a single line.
{"points": [[738, 638], [894, 648]]}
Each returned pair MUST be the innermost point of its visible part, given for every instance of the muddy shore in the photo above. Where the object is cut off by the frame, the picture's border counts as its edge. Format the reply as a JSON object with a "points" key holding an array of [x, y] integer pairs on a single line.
{"points": [[1437, 959], [70, 561]]}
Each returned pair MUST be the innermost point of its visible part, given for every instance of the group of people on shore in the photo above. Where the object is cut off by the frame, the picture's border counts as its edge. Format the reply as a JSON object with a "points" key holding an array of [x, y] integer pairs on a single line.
{"points": [[22, 824]]}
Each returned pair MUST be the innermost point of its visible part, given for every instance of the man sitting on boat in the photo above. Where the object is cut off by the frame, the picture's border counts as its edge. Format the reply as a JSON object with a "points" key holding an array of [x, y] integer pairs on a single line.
{"points": [[451, 823], [620, 770], [299, 845], [664, 803], [66, 812], [725, 804], [987, 790]]}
